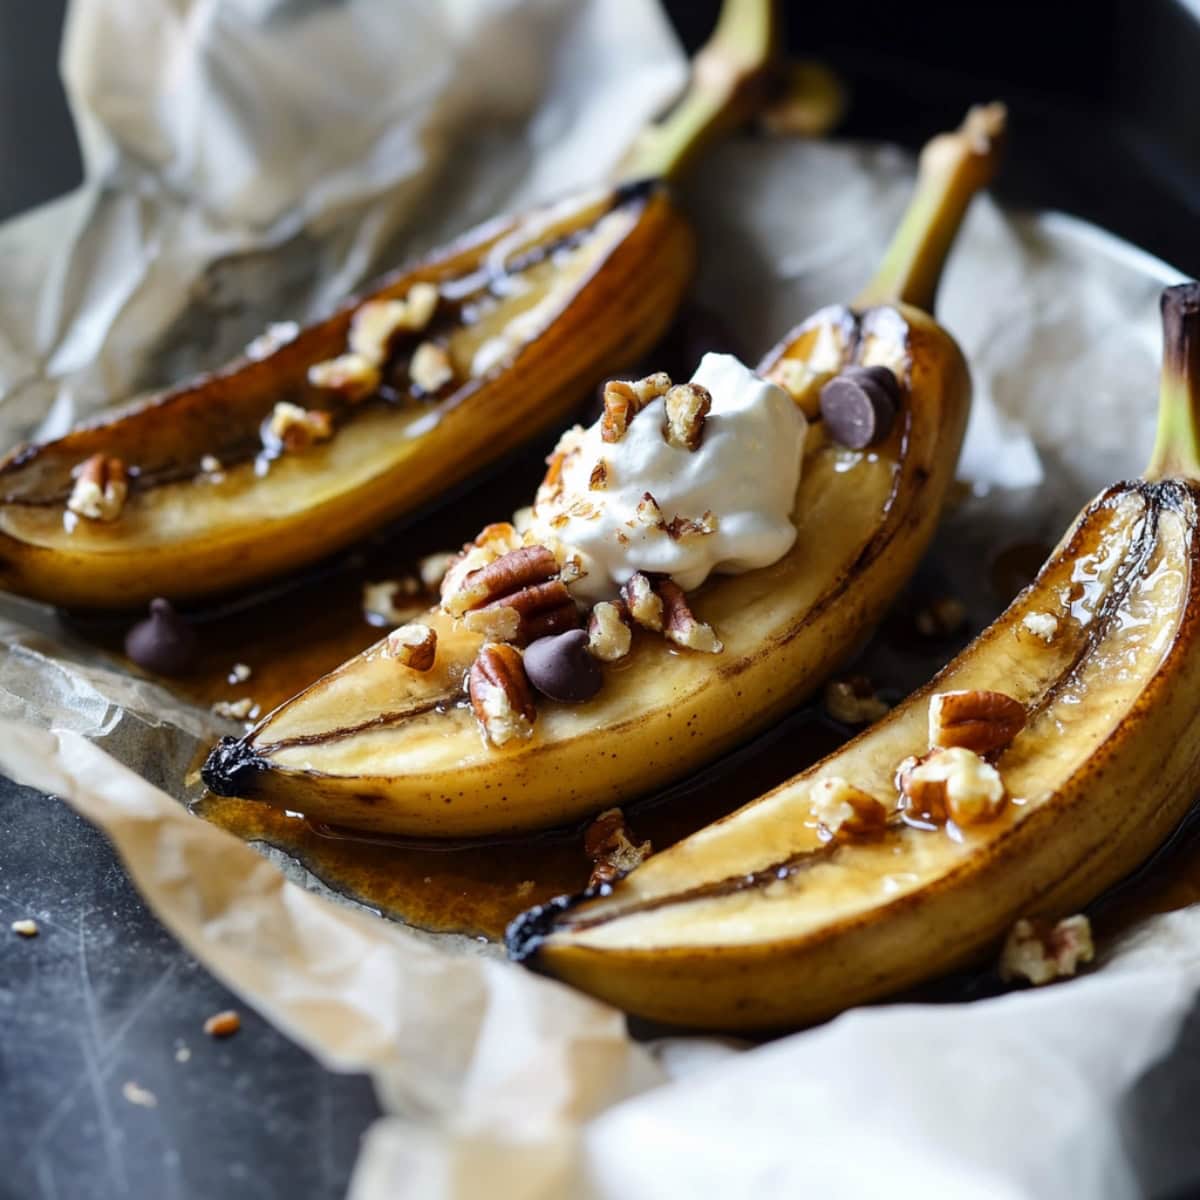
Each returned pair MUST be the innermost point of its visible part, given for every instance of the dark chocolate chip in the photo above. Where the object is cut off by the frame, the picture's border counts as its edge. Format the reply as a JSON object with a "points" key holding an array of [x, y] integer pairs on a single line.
{"points": [[561, 667], [859, 406], [164, 642]]}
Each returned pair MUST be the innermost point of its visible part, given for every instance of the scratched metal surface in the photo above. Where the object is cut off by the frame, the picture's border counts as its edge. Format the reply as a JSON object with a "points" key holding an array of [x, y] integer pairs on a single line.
{"points": [[104, 997]]}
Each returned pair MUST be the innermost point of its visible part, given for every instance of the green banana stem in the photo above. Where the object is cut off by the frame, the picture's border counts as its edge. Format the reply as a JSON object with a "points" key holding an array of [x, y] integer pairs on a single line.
{"points": [[1177, 446], [953, 167], [729, 75]]}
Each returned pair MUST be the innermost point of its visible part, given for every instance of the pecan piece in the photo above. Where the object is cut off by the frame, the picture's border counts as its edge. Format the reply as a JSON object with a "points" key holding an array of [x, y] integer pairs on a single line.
{"points": [[681, 529], [681, 625], [842, 810], [687, 406], [623, 401], [293, 429], [642, 602], [648, 512], [500, 694], [608, 842], [352, 376], [609, 634], [101, 488], [377, 324], [854, 701], [1041, 952], [981, 721], [953, 784], [430, 368], [413, 646]]}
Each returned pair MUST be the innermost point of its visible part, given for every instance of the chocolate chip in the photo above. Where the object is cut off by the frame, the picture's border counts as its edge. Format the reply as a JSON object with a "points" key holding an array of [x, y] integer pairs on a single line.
{"points": [[560, 667], [164, 642], [859, 405]]}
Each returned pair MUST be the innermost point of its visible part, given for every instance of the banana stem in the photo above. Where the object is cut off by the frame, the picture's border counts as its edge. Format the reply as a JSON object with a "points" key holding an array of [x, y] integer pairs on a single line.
{"points": [[729, 75], [952, 168], [1177, 446]]}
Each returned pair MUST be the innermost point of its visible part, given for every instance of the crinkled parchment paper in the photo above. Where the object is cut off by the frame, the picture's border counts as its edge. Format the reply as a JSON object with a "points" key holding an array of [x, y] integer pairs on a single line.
{"points": [[252, 160]]}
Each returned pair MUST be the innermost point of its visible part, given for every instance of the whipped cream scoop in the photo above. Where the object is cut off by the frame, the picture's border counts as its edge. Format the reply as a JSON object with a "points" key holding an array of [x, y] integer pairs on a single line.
{"points": [[722, 508]]}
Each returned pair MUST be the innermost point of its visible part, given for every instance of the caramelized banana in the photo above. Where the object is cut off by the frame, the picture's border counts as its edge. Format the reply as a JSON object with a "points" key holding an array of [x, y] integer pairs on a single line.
{"points": [[301, 448], [372, 747], [1043, 765]]}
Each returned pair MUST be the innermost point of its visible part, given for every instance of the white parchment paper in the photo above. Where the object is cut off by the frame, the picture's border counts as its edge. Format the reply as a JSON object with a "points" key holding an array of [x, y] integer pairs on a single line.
{"points": [[253, 160]]}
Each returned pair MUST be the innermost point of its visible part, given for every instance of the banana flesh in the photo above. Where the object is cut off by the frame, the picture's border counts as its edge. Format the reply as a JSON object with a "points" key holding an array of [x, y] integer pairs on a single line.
{"points": [[759, 922], [369, 749], [541, 306]]}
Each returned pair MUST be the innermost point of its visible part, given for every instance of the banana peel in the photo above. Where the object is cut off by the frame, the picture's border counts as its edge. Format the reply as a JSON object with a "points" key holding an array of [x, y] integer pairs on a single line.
{"points": [[374, 748], [760, 922], [533, 311]]}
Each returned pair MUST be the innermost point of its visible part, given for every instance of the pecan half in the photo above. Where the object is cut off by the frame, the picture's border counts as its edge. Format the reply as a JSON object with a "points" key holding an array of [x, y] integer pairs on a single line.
{"points": [[687, 406], [608, 842], [500, 694], [981, 721], [681, 625], [100, 490], [609, 634], [413, 646], [517, 597], [623, 401]]}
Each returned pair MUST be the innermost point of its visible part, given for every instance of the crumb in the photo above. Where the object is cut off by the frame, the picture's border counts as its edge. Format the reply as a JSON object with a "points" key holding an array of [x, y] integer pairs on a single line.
{"points": [[27, 928], [525, 888], [223, 1024], [235, 710], [239, 673], [1041, 624], [182, 1053], [136, 1094]]}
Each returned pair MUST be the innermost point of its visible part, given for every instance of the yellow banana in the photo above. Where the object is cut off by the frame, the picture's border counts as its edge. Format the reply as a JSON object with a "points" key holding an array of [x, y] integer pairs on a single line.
{"points": [[375, 747], [187, 495], [767, 919]]}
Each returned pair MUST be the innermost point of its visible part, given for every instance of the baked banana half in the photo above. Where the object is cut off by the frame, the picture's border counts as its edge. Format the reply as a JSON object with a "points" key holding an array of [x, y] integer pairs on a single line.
{"points": [[1042, 766], [320, 436], [446, 729]]}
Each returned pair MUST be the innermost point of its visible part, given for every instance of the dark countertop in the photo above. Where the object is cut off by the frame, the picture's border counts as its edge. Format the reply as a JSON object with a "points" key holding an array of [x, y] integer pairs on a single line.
{"points": [[105, 997]]}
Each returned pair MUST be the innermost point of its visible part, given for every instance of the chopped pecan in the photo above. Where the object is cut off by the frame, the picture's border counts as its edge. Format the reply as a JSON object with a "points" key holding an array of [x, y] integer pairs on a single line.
{"points": [[981, 721], [608, 842], [433, 567], [377, 324], [953, 784], [100, 490], [1042, 625], [623, 401], [681, 625], [352, 376], [500, 694], [598, 479], [1041, 952], [681, 529], [293, 428], [687, 406], [413, 646], [609, 633], [842, 810], [493, 541], [642, 602], [648, 512]]}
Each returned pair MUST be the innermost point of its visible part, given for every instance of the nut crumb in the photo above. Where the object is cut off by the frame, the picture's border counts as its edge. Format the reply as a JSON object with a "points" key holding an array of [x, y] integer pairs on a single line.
{"points": [[210, 464], [239, 673], [376, 324], [1040, 952], [608, 842], [609, 634], [854, 701], [381, 604], [136, 1094], [26, 927], [235, 710], [430, 368], [687, 407], [223, 1024], [942, 617], [183, 1052], [1041, 624], [648, 512]]}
